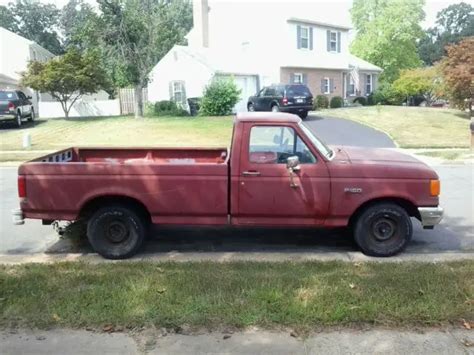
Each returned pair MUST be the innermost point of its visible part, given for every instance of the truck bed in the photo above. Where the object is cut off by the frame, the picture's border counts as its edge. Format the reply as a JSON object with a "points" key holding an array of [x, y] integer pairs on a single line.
{"points": [[174, 184]]}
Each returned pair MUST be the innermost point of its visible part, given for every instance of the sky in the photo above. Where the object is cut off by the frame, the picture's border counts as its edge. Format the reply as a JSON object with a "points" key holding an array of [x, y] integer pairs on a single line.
{"points": [[337, 10]]}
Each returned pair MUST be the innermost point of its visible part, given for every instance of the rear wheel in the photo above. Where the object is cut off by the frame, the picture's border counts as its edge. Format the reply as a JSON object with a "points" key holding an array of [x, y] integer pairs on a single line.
{"points": [[275, 108], [303, 114], [18, 119], [116, 231], [383, 229]]}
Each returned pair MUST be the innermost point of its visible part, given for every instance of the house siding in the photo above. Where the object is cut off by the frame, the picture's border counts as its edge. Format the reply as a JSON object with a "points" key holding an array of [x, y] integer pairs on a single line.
{"points": [[314, 77]]}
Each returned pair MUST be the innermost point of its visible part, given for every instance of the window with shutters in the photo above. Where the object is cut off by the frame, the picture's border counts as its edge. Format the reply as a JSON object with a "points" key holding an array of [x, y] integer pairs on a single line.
{"points": [[298, 78], [326, 86], [333, 41], [304, 37]]}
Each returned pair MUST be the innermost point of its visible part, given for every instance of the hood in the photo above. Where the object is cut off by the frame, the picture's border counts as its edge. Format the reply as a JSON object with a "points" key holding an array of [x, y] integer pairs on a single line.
{"points": [[378, 163]]}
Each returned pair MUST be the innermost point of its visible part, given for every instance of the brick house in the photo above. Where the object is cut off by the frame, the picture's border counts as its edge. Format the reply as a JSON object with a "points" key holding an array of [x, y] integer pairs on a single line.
{"points": [[283, 47]]}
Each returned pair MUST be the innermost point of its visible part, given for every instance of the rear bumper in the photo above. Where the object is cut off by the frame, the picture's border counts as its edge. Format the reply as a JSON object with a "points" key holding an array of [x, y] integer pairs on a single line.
{"points": [[18, 218], [7, 116], [430, 216], [296, 108]]}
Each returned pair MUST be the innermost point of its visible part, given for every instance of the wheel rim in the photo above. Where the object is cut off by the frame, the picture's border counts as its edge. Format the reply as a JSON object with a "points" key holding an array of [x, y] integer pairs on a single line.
{"points": [[384, 228], [251, 108], [275, 108], [117, 231]]}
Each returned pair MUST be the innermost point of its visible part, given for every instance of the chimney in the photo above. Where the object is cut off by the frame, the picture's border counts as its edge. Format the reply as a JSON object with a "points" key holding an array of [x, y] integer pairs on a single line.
{"points": [[201, 21]]}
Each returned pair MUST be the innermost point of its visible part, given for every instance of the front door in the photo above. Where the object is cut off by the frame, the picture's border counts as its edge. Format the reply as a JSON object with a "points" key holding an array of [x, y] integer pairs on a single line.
{"points": [[267, 195]]}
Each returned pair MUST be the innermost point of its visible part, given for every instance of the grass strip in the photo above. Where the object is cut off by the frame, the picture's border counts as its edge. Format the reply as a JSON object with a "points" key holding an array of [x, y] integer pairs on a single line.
{"points": [[236, 294]]}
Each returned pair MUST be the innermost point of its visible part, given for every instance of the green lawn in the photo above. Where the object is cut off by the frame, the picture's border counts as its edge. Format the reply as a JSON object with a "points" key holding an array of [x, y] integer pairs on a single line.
{"points": [[237, 294], [412, 127], [55, 134]]}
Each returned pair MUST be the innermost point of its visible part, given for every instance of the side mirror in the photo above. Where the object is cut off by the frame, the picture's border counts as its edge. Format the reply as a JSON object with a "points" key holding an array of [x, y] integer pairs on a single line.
{"points": [[293, 163]]}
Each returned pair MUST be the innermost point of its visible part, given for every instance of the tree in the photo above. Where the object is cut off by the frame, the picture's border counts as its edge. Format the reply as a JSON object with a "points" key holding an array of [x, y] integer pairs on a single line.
{"points": [[137, 34], [67, 78], [35, 21], [387, 32], [458, 72], [426, 82], [453, 23]]}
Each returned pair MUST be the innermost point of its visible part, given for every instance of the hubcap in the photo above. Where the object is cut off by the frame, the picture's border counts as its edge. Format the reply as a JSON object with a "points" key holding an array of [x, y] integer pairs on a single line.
{"points": [[117, 231], [383, 229], [275, 108], [251, 108]]}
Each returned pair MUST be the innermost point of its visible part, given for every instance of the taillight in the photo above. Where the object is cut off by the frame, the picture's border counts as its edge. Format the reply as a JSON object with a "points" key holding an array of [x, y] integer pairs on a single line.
{"points": [[11, 106], [21, 186], [285, 101]]}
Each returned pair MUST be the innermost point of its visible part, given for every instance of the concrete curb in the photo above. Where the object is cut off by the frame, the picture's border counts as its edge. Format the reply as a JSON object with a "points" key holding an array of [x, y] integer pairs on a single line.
{"points": [[223, 257]]}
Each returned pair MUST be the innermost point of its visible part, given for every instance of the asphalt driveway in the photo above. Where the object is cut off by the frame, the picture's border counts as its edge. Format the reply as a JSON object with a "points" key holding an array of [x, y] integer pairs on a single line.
{"points": [[338, 131]]}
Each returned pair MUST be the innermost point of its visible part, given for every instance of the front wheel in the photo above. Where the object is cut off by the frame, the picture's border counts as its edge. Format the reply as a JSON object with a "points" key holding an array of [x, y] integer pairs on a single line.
{"points": [[251, 108], [383, 229], [18, 120], [32, 115], [116, 232]]}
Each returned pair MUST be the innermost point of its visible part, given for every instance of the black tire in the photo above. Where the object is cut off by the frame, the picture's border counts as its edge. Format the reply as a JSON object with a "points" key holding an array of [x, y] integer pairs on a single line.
{"points": [[116, 232], [383, 229], [18, 120], [250, 108], [303, 114], [275, 108], [32, 115]]}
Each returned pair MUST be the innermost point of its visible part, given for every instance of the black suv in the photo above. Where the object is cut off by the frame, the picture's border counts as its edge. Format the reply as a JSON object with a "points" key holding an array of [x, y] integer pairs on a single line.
{"points": [[293, 98]]}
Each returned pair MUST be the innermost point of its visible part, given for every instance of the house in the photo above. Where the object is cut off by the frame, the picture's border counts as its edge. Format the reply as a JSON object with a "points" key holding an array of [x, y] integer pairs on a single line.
{"points": [[288, 46], [15, 53]]}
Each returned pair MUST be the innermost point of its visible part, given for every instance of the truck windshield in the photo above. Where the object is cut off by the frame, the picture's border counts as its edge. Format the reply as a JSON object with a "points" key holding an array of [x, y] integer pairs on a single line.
{"points": [[322, 147]]}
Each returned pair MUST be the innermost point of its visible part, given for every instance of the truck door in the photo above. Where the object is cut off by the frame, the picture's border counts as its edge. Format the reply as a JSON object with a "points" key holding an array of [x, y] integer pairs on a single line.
{"points": [[267, 195]]}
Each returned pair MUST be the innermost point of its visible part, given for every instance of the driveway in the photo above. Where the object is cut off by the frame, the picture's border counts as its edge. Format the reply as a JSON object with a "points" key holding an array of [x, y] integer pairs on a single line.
{"points": [[338, 131]]}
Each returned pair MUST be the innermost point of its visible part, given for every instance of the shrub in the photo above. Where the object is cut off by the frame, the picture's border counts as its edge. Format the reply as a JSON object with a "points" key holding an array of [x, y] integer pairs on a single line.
{"points": [[220, 97], [360, 100], [386, 95], [321, 102], [336, 102], [168, 108]]}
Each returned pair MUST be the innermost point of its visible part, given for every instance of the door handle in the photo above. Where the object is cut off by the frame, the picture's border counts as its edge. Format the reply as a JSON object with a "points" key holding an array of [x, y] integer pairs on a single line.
{"points": [[251, 173]]}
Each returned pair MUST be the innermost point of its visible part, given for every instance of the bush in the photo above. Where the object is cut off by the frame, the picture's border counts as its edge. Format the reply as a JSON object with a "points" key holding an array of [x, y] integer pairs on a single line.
{"points": [[360, 100], [220, 97], [336, 102], [321, 102], [168, 108], [386, 95]]}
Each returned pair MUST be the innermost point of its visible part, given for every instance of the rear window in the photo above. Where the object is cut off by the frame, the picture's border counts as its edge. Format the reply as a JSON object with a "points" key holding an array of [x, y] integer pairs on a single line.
{"points": [[297, 90], [8, 95]]}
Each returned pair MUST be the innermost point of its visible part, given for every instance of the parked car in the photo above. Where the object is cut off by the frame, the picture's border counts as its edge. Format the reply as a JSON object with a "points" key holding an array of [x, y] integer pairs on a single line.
{"points": [[276, 173], [293, 98], [15, 105]]}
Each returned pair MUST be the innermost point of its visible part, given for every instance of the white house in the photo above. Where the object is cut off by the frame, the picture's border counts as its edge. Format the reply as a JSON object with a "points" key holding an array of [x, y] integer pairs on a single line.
{"points": [[260, 44], [15, 53]]}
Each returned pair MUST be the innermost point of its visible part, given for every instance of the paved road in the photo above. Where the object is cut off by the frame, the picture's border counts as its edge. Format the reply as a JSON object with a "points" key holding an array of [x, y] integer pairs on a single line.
{"points": [[454, 234], [345, 132]]}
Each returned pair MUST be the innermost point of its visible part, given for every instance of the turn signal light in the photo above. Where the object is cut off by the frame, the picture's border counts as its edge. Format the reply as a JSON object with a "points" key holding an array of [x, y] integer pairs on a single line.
{"points": [[435, 187], [21, 186]]}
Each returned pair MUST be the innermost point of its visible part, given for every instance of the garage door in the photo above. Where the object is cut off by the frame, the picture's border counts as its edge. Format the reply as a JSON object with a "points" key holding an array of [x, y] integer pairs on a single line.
{"points": [[248, 85]]}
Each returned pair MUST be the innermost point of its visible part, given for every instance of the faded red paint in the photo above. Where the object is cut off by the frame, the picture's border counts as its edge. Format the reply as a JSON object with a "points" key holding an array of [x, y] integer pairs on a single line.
{"points": [[206, 186]]}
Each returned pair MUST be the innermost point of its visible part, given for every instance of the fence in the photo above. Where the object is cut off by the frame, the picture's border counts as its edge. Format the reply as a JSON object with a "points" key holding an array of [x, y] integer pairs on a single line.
{"points": [[127, 100]]}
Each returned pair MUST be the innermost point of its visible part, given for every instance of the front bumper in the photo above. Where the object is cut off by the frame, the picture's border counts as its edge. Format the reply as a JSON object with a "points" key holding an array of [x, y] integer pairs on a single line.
{"points": [[430, 216], [18, 218]]}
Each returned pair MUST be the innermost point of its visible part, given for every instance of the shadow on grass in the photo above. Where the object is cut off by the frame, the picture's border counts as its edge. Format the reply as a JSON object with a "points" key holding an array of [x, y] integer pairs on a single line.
{"points": [[25, 124]]}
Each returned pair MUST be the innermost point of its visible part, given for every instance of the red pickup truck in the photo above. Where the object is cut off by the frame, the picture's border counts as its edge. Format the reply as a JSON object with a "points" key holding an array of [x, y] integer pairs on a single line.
{"points": [[277, 173]]}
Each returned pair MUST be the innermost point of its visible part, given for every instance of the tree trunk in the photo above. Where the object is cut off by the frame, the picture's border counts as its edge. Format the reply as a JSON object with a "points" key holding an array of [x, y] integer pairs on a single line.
{"points": [[138, 102]]}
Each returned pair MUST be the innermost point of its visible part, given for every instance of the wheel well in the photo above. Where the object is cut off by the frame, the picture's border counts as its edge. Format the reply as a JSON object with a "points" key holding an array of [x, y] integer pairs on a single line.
{"points": [[93, 205], [407, 205], [274, 103]]}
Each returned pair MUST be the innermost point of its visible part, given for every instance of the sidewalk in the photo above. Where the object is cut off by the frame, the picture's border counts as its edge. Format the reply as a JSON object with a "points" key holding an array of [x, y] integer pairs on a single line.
{"points": [[446, 341]]}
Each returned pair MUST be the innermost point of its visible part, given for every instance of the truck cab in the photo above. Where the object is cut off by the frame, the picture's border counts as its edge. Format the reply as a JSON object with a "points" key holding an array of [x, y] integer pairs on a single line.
{"points": [[277, 172]]}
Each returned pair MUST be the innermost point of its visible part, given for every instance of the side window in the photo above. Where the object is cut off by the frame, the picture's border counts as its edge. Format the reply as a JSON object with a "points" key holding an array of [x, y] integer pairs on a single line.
{"points": [[21, 95], [274, 144]]}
